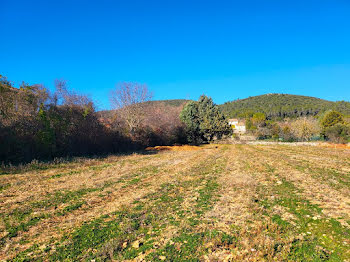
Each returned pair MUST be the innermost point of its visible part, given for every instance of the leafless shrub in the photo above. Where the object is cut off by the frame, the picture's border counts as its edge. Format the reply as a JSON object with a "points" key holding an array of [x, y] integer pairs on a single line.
{"points": [[305, 128]]}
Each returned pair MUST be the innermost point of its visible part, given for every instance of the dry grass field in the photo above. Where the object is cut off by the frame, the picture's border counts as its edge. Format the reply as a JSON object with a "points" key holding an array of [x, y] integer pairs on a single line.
{"points": [[208, 203]]}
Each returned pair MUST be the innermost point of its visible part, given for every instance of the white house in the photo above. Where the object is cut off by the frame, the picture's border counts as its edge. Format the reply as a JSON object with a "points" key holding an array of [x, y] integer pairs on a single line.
{"points": [[237, 125]]}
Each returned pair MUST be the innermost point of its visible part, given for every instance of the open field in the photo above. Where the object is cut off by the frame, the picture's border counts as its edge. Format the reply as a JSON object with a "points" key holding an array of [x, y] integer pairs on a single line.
{"points": [[209, 203]]}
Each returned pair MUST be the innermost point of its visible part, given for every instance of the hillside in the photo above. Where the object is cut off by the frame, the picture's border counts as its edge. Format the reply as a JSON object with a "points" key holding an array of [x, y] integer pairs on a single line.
{"points": [[282, 105], [160, 104]]}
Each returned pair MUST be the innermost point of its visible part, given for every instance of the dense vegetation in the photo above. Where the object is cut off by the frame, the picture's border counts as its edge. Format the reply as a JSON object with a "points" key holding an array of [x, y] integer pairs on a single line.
{"points": [[279, 106], [38, 124], [329, 126], [35, 124]]}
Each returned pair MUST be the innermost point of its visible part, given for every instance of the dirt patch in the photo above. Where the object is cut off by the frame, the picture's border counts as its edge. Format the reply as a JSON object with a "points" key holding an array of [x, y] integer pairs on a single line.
{"points": [[331, 145]]}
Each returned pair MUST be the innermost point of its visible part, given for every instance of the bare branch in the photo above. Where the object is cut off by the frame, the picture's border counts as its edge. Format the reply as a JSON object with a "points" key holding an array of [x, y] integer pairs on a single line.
{"points": [[127, 98]]}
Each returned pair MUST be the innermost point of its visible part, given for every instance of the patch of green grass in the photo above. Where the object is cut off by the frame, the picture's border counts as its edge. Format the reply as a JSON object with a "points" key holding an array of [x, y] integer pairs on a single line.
{"points": [[206, 195], [190, 246], [17, 220], [326, 175], [186, 247], [106, 235], [60, 197], [22, 227], [270, 168], [23, 256], [20, 213], [71, 208], [74, 172], [324, 237], [100, 167], [279, 221], [89, 236], [308, 250], [4, 187], [133, 181], [136, 178]]}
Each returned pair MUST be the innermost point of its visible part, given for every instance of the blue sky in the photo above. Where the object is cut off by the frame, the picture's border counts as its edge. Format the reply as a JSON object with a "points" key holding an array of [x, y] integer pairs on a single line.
{"points": [[180, 49]]}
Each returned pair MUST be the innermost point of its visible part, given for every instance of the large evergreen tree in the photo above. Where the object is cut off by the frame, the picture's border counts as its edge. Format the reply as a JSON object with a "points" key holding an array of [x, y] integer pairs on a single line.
{"points": [[190, 117], [204, 120], [331, 118]]}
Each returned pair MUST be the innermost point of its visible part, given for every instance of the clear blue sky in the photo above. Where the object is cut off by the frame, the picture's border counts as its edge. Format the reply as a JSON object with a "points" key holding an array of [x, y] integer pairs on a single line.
{"points": [[180, 49]]}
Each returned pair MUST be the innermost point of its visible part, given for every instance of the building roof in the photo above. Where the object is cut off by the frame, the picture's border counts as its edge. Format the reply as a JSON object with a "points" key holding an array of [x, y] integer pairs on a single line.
{"points": [[239, 122]]}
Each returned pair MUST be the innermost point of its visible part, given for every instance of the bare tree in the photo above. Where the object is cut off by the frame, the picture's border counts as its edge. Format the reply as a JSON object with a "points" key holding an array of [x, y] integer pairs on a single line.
{"points": [[305, 128], [127, 98], [68, 97]]}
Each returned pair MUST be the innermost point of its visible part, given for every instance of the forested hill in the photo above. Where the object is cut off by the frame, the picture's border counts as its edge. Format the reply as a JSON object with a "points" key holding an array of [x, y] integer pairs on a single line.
{"points": [[282, 105]]}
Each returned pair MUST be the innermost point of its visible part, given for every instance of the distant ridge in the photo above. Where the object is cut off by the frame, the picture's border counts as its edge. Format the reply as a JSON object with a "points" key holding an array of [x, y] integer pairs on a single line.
{"points": [[282, 105]]}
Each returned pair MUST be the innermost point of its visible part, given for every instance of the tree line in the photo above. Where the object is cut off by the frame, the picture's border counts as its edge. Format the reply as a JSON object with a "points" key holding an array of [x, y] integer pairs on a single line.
{"points": [[38, 124], [329, 126]]}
